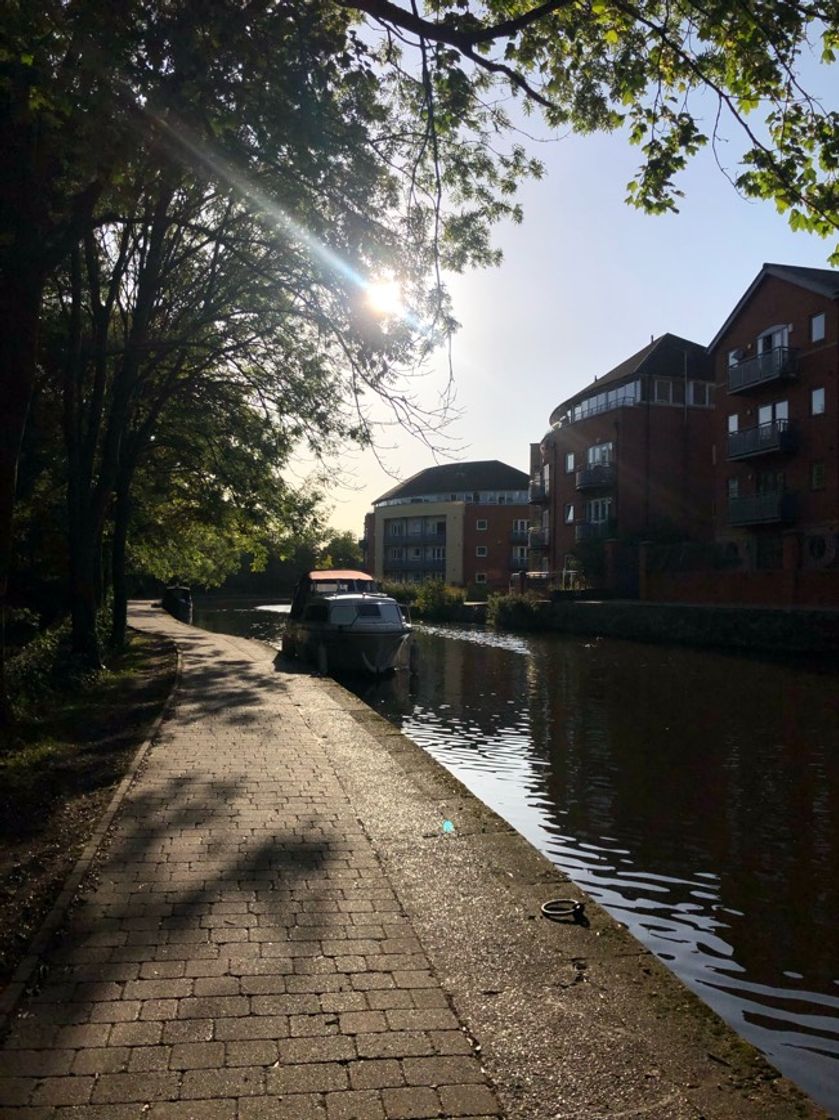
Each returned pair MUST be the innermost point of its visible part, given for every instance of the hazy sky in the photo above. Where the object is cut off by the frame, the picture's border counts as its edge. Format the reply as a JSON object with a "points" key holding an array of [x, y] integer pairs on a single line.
{"points": [[585, 282]]}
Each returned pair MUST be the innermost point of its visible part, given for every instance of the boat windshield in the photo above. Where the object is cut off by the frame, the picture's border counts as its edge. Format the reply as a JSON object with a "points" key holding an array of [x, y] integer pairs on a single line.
{"points": [[344, 586], [345, 614]]}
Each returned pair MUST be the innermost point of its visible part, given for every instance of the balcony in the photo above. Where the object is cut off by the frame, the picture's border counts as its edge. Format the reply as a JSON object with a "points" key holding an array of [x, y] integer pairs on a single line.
{"points": [[601, 476], [415, 565], [777, 435], [518, 563], [780, 364], [409, 539], [762, 509], [593, 530], [519, 536], [538, 539], [538, 492]]}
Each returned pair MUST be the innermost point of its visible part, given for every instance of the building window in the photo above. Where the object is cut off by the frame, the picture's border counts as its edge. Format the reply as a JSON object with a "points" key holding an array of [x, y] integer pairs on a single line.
{"points": [[600, 453], [569, 462], [817, 402], [770, 482], [599, 510], [481, 524], [569, 513], [700, 393], [480, 577], [733, 423], [778, 410], [520, 525], [773, 339], [817, 324], [817, 475], [733, 488], [481, 550]]}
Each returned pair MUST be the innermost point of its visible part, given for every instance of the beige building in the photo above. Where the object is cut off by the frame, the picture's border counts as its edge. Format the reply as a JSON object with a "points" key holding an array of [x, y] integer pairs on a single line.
{"points": [[463, 523]]}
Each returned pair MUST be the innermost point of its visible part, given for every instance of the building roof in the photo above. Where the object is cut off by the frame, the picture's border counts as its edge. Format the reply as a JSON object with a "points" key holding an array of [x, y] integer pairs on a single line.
{"points": [[822, 281], [453, 478], [656, 357]]}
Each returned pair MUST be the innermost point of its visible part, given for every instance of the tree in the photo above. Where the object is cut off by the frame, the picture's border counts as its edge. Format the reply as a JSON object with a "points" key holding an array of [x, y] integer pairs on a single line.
{"points": [[646, 65], [371, 154], [342, 550]]}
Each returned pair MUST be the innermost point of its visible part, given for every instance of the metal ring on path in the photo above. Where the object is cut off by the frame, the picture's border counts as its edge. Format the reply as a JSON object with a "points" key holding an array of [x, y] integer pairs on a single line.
{"points": [[560, 909]]}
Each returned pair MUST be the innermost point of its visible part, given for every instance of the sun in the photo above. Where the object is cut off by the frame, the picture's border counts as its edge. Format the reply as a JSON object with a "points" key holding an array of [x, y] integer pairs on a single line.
{"points": [[384, 297]]}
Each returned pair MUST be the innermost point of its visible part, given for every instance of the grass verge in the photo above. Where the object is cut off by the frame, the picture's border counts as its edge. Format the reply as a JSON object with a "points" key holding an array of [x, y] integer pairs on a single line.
{"points": [[58, 776]]}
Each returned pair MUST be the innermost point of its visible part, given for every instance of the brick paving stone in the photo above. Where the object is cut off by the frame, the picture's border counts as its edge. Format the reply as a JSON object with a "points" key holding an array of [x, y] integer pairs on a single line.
{"points": [[376, 1073], [251, 1052], [143, 1059], [239, 1082], [193, 1110], [410, 1104], [316, 1077], [64, 1090], [112, 1088], [450, 1042], [35, 1063], [335, 1048], [18, 1090], [183, 1030], [362, 1022], [298, 1106], [44, 1112], [104, 1059], [363, 1105], [136, 1034], [197, 1055], [442, 1071], [243, 955], [264, 1026], [468, 1100], [393, 1044]]}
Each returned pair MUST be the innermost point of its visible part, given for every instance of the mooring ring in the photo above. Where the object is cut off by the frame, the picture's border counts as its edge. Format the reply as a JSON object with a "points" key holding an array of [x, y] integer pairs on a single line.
{"points": [[558, 909]]}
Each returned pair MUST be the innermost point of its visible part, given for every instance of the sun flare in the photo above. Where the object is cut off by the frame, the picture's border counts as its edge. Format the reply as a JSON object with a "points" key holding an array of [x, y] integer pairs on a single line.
{"points": [[384, 297]]}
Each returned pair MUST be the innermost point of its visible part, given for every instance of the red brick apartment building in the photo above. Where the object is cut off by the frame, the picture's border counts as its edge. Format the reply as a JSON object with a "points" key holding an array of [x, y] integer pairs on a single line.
{"points": [[777, 433], [627, 457], [464, 523]]}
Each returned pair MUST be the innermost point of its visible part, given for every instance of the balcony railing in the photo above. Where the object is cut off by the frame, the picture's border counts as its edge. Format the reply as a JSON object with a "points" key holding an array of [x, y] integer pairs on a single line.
{"points": [[777, 435], [519, 536], [538, 539], [407, 539], [761, 509], [598, 477], [415, 565], [774, 365], [593, 530], [518, 563], [538, 492]]}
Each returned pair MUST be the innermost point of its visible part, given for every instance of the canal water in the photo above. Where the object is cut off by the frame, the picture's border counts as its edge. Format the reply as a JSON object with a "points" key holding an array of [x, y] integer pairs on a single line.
{"points": [[695, 795]]}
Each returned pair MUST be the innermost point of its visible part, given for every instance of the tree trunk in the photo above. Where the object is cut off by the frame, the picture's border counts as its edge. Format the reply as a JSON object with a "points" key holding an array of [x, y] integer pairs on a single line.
{"points": [[119, 607], [20, 303]]}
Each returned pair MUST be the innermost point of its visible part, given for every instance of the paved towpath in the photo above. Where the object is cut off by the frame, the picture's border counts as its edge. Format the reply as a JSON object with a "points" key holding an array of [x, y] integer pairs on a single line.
{"points": [[279, 929]]}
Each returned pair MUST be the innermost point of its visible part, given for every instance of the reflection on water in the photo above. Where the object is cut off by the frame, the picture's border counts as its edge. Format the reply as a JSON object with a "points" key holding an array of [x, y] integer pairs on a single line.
{"points": [[693, 794]]}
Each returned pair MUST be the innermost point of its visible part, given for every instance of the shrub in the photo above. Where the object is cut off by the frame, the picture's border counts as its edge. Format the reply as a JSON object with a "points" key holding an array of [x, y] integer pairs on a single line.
{"points": [[45, 667], [437, 601], [517, 611]]}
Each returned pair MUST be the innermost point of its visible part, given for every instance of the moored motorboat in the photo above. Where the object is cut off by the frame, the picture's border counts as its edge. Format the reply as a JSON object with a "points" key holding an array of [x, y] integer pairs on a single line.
{"points": [[340, 622]]}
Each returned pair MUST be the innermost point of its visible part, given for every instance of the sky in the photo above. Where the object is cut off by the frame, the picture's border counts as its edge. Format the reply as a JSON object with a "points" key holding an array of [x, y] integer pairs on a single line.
{"points": [[585, 282]]}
